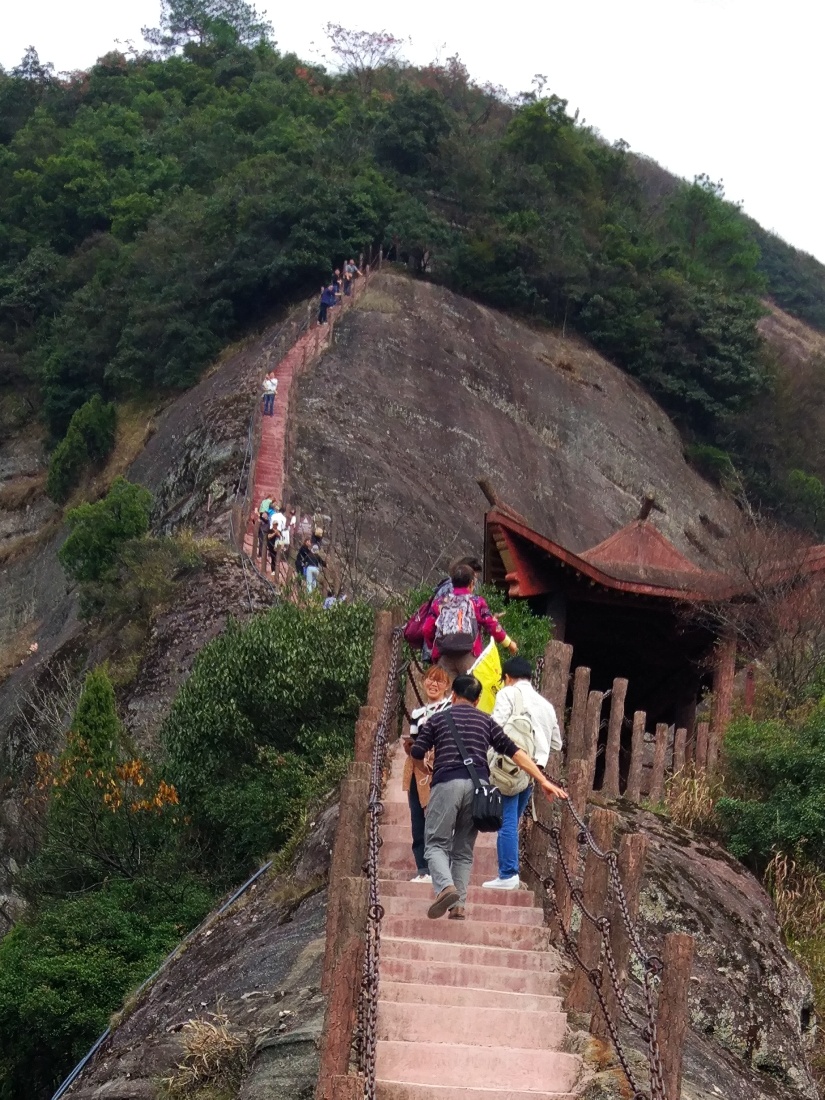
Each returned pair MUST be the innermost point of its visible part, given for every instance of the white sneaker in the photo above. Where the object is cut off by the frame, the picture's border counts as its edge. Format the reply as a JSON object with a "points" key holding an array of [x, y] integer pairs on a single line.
{"points": [[422, 878], [511, 883]]}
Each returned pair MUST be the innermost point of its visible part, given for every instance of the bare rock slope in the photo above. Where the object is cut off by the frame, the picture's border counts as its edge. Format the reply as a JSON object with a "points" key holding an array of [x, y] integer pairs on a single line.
{"points": [[425, 391]]}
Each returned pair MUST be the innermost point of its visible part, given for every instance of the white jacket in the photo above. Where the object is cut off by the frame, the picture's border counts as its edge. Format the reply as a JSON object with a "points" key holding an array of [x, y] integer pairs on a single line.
{"points": [[540, 712]]}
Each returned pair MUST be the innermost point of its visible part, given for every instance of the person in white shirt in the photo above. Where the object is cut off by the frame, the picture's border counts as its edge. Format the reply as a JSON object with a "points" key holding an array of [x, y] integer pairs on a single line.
{"points": [[542, 715], [270, 388]]}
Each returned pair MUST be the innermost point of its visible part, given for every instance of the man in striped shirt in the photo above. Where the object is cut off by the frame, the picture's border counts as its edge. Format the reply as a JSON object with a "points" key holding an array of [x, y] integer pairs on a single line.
{"points": [[450, 834]]}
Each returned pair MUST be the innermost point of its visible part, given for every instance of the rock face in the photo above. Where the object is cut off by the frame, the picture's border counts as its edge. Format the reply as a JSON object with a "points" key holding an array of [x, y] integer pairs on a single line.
{"points": [[425, 391], [751, 1008]]}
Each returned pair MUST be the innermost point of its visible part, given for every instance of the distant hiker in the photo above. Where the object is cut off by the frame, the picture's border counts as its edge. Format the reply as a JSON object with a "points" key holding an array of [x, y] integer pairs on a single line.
{"points": [[350, 269], [336, 281], [308, 564], [455, 623], [263, 531], [304, 528], [530, 722], [347, 284], [418, 773], [414, 629], [270, 389], [450, 831], [327, 300], [291, 523]]}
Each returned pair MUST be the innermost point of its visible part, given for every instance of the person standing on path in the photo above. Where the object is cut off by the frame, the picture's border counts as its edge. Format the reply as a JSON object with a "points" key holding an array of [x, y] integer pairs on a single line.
{"points": [[455, 623], [270, 388], [450, 832], [327, 300], [418, 773], [518, 698]]}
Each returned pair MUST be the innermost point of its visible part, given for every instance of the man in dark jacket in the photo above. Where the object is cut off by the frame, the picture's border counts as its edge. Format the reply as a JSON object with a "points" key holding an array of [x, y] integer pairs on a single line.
{"points": [[451, 833], [308, 564], [327, 299]]}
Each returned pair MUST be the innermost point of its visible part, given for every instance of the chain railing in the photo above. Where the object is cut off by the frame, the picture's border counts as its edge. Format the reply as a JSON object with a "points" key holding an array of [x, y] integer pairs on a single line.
{"points": [[366, 1035], [651, 964]]}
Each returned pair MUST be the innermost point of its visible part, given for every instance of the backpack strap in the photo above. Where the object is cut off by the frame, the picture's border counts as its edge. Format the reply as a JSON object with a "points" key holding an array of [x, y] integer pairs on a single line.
{"points": [[466, 759]]}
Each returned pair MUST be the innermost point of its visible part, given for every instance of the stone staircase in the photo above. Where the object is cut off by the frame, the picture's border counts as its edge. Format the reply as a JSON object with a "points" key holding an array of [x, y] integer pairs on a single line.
{"points": [[468, 1010]]}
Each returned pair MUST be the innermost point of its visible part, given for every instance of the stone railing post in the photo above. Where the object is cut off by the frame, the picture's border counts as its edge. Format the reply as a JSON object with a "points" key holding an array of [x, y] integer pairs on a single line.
{"points": [[610, 785], [672, 1017], [632, 851], [575, 733], [558, 657], [679, 751], [701, 759], [657, 778], [594, 888], [633, 791], [381, 643]]}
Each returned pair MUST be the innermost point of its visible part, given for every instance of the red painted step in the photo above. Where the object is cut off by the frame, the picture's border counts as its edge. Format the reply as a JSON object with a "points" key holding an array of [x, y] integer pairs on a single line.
{"points": [[408, 1090], [468, 976], [476, 895], [479, 1027], [476, 1066], [467, 954], [516, 915], [417, 993], [487, 934]]}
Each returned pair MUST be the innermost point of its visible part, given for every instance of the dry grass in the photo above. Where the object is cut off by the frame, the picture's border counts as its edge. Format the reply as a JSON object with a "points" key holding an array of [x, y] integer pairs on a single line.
{"points": [[215, 1055], [135, 427], [377, 302], [17, 649], [692, 799], [798, 892], [11, 550], [19, 491]]}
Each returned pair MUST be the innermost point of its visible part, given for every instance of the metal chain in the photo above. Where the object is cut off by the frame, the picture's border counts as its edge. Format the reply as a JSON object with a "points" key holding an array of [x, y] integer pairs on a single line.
{"points": [[652, 965], [366, 1036]]}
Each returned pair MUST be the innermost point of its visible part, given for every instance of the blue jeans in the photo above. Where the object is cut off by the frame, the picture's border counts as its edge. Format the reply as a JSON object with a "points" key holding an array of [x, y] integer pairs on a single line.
{"points": [[513, 806], [311, 575], [269, 404]]}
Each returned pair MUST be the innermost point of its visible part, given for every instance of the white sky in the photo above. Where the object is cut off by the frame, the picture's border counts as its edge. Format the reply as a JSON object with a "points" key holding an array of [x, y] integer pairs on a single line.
{"points": [[733, 88]]}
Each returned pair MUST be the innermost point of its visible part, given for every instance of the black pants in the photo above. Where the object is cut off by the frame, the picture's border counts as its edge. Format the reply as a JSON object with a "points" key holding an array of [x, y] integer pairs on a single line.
{"points": [[417, 821], [322, 313]]}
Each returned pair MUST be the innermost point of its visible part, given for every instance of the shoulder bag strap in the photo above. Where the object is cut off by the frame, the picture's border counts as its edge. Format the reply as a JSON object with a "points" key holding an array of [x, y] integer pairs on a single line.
{"points": [[466, 759]]}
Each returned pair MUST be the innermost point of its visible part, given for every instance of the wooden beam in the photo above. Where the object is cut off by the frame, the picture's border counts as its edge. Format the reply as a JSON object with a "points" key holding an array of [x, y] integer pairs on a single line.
{"points": [[610, 785], [677, 959], [637, 758]]}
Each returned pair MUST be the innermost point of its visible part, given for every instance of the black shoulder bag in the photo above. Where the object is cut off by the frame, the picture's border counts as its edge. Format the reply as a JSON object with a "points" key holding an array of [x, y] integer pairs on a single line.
{"points": [[487, 811]]}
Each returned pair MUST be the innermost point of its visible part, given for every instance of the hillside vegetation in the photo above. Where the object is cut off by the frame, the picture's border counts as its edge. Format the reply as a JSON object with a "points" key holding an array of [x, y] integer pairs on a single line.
{"points": [[165, 201]]}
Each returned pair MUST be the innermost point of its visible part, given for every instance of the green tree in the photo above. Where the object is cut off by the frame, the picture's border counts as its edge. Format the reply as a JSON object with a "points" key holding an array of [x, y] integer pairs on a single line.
{"points": [[98, 530], [206, 22]]}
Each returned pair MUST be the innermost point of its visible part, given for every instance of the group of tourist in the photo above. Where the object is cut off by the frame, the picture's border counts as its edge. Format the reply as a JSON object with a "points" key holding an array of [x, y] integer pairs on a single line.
{"points": [[279, 530], [450, 737], [340, 285]]}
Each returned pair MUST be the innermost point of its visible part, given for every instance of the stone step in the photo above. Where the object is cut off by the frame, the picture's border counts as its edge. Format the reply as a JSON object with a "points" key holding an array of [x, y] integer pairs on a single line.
{"points": [[516, 1069], [467, 954], [478, 875], [476, 895], [397, 856], [479, 933], [470, 1025], [407, 1090], [402, 834], [468, 976], [507, 914], [418, 993]]}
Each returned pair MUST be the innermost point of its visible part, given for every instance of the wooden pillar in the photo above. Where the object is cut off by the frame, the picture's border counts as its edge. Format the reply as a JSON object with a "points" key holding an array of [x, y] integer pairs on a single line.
{"points": [[349, 1087], [349, 850], [679, 745], [701, 758], [724, 671], [637, 755], [365, 733], [555, 678], [657, 779], [381, 644], [610, 786], [575, 735], [602, 826], [632, 851], [580, 771], [345, 981], [672, 1017]]}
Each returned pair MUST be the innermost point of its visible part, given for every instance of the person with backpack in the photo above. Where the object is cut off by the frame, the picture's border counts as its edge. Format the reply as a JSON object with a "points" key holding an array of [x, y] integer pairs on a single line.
{"points": [[461, 737], [414, 629], [455, 623], [530, 722], [418, 773]]}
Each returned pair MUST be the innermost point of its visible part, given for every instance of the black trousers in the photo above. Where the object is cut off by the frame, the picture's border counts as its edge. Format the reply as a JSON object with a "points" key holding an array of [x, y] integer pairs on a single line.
{"points": [[417, 821], [322, 313]]}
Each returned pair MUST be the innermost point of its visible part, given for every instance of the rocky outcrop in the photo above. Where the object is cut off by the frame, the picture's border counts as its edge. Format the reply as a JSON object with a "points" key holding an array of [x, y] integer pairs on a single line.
{"points": [[751, 1007], [425, 391]]}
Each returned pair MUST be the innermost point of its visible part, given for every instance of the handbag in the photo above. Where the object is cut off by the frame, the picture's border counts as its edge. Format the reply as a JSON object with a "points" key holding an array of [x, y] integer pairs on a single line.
{"points": [[487, 809]]}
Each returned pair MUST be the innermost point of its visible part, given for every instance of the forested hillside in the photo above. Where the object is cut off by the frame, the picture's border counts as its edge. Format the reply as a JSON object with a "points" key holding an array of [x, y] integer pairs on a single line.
{"points": [[163, 202]]}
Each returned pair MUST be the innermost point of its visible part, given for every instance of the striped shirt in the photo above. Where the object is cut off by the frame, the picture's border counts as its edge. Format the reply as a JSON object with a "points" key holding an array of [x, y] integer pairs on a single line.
{"points": [[478, 732]]}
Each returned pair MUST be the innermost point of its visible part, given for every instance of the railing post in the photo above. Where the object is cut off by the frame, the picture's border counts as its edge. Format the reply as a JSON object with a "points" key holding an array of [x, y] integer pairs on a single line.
{"points": [[365, 733], [610, 786], [679, 747], [633, 792], [594, 889], [657, 778], [632, 851], [558, 657], [575, 735], [672, 1016]]}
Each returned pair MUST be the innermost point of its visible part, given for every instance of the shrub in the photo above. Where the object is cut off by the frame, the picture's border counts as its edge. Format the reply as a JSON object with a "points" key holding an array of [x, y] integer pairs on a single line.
{"points": [[711, 462], [98, 530], [266, 719], [65, 970], [89, 438], [777, 773]]}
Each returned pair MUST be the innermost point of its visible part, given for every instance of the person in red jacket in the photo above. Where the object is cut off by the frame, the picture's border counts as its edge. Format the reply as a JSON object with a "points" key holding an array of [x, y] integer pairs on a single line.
{"points": [[456, 622]]}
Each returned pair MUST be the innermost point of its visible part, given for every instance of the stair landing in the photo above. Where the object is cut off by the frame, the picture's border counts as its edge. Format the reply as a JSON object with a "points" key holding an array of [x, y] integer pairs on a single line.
{"points": [[467, 1010]]}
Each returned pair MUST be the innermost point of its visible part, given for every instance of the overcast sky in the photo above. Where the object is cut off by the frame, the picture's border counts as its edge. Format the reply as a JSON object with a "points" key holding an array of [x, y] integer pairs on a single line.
{"points": [[733, 88]]}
